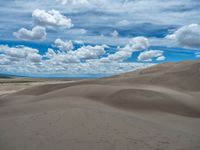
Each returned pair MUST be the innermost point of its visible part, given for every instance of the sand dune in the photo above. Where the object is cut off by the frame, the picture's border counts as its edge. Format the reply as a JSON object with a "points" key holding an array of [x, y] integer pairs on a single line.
{"points": [[148, 109]]}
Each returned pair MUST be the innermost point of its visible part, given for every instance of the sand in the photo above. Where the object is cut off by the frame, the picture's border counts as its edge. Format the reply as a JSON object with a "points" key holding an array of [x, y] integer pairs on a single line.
{"points": [[156, 108]]}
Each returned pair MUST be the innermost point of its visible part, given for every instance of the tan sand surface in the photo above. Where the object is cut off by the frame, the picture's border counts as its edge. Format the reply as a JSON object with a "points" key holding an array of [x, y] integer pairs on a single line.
{"points": [[156, 108]]}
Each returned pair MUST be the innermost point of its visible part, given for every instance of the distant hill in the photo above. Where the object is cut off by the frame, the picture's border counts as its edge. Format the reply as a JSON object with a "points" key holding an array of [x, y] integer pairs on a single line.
{"points": [[6, 76]]}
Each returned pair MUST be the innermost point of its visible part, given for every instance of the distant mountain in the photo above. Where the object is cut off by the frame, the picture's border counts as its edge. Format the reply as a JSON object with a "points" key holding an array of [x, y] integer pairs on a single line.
{"points": [[6, 76]]}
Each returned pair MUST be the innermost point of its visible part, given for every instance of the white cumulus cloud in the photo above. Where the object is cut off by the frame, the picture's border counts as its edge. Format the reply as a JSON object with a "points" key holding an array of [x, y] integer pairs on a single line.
{"points": [[90, 52], [135, 44], [74, 2], [52, 18], [20, 54], [37, 33], [149, 55], [139, 43], [188, 36], [161, 58], [120, 56], [63, 45], [114, 34]]}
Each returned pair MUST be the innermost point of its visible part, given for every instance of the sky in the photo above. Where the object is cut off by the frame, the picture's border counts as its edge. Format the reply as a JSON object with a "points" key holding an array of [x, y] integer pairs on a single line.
{"points": [[78, 38]]}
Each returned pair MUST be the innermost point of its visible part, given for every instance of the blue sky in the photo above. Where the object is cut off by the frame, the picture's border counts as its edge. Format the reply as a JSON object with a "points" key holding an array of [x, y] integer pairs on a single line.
{"points": [[84, 37]]}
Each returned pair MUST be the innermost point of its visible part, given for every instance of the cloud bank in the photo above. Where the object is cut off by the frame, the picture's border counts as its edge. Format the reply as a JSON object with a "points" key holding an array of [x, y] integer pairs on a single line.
{"points": [[69, 60]]}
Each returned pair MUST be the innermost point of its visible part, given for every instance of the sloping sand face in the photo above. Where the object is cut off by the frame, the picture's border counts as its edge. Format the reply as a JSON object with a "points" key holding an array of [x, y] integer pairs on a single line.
{"points": [[130, 111]]}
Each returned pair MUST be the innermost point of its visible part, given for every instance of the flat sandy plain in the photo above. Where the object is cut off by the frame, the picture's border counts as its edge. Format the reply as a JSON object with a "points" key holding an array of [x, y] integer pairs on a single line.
{"points": [[156, 108]]}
